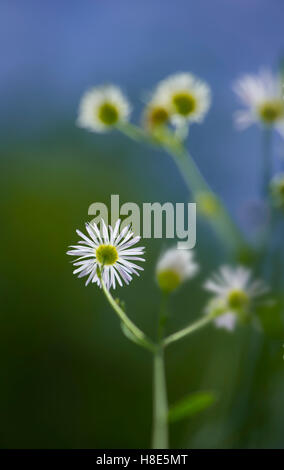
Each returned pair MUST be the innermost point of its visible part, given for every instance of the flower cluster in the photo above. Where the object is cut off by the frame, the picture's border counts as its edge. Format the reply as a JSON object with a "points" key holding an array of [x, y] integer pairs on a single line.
{"points": [[106, 257], [179, 99], [234, 289]]}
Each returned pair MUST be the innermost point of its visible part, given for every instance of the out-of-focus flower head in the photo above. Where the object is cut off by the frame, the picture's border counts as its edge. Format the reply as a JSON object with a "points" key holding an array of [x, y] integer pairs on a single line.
{"points": [[234, 292], [262, 96], [174, 267], [102, 108]]}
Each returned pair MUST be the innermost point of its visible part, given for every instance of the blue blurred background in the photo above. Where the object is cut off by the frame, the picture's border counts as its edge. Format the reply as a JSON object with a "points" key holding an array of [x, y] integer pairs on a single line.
{"points": [[69, 379]]}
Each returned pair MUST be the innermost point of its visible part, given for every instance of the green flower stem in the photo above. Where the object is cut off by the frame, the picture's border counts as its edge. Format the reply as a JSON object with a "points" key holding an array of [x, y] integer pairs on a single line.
{"points": [[218, 216], [188, 330], [163, 316], [139, 335], [160, 403], [136, 133], [266, 160]]}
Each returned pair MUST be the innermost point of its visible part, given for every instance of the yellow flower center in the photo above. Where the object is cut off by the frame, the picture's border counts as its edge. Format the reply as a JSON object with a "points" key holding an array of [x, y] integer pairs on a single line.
{"points": [[168, 280], [237, 299], [270, 111], [108, 114], [106, 254], [157, 116], [184, 103]]}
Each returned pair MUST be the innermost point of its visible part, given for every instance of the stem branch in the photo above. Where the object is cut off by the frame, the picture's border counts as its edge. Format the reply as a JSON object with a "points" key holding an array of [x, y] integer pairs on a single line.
{"points": [[219, 217], [188, 329], [141, 337]]}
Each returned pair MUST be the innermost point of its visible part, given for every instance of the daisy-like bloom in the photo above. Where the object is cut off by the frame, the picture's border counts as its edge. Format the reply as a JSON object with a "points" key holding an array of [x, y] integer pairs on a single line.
{"points": [[102, 108], [175, 267], [110, 253], [262, 95], [277, 190], [187, 97], [234, 290]]}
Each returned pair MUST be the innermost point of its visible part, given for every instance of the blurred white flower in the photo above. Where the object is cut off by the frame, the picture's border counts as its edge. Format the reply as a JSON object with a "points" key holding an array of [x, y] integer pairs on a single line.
{"points": [[156, 114], [102, 108], [174, 267], [187, 97], [110, 251], [262, 95], [234, 291], [277, 190]]}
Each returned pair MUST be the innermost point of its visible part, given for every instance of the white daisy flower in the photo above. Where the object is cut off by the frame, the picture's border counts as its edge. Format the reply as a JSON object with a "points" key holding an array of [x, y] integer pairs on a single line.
{"points": [[188, 98], [277, 190], [175, 267], [234, 291], [102, 108], [109, 251], [262, 95]]}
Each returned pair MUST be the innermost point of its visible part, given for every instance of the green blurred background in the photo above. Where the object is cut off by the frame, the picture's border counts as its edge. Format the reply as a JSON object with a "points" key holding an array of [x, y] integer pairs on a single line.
{"points": [[69, 378]]}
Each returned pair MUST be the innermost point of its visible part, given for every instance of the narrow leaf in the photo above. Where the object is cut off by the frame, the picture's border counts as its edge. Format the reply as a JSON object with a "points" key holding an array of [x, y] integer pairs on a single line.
{"points": [[191, 405], [129, 335]]}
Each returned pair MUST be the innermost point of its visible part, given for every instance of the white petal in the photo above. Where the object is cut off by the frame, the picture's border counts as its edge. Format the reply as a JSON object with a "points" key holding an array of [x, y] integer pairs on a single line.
{"points": [[85, 238], [227, 321]]}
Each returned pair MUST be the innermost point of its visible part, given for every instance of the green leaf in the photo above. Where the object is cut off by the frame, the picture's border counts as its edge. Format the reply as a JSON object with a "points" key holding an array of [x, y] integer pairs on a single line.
{"points": [[129, 335], [191, 405]]}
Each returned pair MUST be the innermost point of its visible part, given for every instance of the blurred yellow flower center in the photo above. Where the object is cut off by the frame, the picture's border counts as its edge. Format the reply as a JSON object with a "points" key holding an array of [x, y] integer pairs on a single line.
{"points": [[157, 116], [106, 254], [271, 111], [237, 299], [168, 280], [184, 103], [108, 114], [207, 203]]}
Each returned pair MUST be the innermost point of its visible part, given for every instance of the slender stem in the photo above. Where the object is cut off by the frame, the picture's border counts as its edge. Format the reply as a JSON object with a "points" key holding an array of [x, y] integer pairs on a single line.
{"points": [[160, 408], [136, 133], [188, 330], [219, 218], [139, 335], [163, 316], [266, 234], [266, 160], [160, 403]]}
